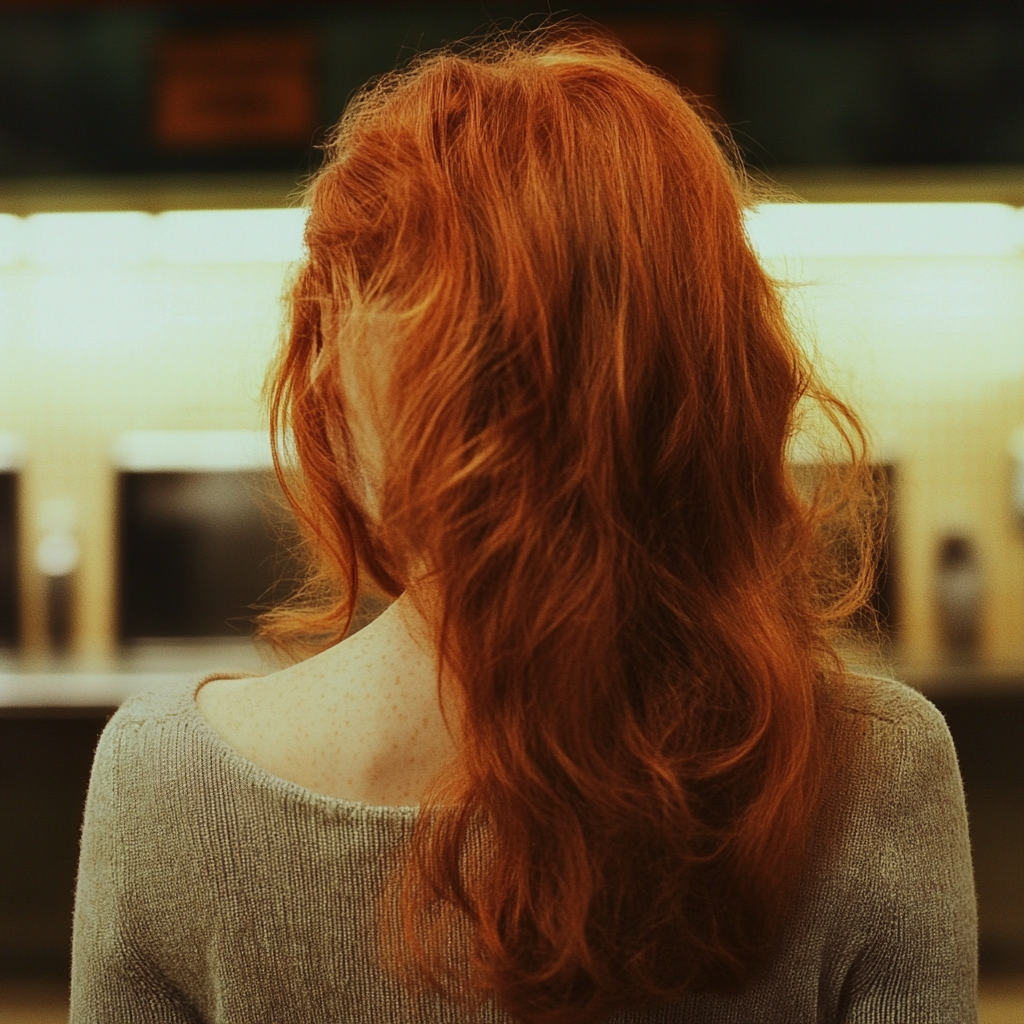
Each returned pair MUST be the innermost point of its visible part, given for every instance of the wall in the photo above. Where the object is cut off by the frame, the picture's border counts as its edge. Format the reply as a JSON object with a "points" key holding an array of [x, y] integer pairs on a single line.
{"points": [[930, 352], [930, 349], [90, 350]]}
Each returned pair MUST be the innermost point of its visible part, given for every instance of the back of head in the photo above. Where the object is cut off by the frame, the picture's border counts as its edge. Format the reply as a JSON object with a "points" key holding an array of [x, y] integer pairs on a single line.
{"points": [[584, 393]]}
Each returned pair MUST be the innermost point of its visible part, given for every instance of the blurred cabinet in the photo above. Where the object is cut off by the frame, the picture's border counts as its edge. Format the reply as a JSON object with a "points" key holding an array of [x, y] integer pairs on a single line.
{"points": [[986, 729], [198, 552], [45, 756]]}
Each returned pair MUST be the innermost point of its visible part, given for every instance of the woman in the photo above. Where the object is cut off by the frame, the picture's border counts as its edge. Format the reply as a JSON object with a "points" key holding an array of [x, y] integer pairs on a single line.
{"points": [[599, 757]]}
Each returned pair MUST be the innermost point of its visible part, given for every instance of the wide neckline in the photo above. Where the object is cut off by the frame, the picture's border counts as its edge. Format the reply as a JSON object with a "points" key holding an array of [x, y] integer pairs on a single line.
{"points": [[267, 779]]}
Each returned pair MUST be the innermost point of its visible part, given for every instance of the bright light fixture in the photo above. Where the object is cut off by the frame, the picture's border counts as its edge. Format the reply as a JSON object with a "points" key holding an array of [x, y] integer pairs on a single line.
{"points": [[88, 239], [885, 229], [130, 238]]}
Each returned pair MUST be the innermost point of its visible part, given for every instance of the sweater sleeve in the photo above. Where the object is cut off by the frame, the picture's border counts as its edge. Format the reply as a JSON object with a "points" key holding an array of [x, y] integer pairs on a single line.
{"points": [[112, 977], [918, 961]]}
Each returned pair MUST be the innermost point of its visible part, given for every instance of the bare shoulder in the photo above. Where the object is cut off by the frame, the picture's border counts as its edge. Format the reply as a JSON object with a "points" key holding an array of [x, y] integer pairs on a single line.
{"points": [[360, 721], [287, 722], [302, 691]]}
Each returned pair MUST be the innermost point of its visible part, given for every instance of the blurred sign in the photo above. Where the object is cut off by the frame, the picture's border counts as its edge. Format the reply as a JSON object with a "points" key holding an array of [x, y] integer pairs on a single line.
{"points": [[690, 53], [235, 89]]}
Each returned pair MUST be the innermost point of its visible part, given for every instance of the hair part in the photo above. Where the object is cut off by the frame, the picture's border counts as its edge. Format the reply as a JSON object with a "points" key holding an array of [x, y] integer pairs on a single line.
{"points": [[590, 401]]}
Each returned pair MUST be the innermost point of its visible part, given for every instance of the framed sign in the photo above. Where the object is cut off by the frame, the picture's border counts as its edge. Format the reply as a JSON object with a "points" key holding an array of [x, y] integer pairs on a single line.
{"points": [[690, 53], [238, 88]]}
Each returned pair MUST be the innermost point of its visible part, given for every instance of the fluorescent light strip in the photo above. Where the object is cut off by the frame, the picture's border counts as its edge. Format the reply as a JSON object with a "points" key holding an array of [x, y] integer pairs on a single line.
{"points": [[275, 236], [191, 451], [88, 239], [885, 229], [12, 242], [131, 238], [230, 236]]}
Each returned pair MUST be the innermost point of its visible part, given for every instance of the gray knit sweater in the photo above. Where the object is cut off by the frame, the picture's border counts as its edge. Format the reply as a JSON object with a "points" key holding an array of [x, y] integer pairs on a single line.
{"points": [[210, 890]]}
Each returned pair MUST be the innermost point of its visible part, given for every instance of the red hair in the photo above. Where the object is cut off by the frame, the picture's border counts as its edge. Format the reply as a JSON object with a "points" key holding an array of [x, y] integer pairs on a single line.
{"points": [[591, 396]]}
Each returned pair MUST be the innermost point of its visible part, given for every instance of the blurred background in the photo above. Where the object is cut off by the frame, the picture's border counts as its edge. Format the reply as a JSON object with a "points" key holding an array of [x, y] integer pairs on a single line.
{"points": [[151, 161]]}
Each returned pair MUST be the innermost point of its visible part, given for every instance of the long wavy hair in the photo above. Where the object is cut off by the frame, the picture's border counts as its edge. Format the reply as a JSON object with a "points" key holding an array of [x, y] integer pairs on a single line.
{"points": [[588, 393]]}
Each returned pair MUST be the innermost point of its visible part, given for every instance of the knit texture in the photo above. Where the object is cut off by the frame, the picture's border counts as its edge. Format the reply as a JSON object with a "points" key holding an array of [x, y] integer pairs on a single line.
{"points": [[209, 890]]}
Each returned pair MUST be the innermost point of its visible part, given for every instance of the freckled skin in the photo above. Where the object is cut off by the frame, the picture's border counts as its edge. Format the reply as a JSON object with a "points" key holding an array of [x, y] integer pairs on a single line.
{"points": [[360, 721]]}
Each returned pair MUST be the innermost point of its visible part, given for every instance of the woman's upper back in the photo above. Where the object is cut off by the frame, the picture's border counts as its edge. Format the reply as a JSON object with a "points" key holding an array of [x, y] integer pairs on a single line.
{"points": [[212, 890]]}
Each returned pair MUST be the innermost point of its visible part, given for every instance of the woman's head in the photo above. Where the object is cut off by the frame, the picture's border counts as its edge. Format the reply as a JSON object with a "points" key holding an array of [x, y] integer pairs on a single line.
{"points": [[533, 355], [552, 240]]}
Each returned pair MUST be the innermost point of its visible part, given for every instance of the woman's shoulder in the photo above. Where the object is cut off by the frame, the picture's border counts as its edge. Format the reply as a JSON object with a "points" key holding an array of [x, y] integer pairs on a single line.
{"points": [[161, 704], [164, 775], [348, 727], [894, 794], [195, 860], [891, 877], [163, 717], [883, 699], [147, 721], [882, 732], [876, 718], [361, 721], [154, 741]]}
